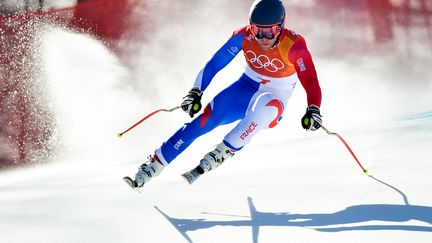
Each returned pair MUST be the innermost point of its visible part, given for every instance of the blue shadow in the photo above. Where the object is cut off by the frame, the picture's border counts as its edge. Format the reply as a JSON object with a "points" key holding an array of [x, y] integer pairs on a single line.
{"points": [[323, 222]]}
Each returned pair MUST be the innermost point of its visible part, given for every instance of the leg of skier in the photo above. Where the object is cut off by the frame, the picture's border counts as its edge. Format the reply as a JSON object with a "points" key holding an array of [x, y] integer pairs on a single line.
{"points": [[228, 106], [264, 111]]}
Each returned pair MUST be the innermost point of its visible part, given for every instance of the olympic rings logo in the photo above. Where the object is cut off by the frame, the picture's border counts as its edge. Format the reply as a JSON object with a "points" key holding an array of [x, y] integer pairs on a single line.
{"points": [[263, 61]]}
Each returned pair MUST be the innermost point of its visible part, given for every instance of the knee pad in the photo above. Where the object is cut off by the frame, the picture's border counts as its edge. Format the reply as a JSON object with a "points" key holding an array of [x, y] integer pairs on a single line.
{"points": [[267, 110]]}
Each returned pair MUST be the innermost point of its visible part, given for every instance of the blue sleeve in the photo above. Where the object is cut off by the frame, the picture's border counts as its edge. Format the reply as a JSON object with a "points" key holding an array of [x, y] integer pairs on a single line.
{"points": [[219, 60]]}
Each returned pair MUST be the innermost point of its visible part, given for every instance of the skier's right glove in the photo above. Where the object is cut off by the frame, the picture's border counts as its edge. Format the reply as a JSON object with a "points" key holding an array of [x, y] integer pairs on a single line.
{"points": [[312, 119], [192, 102]]}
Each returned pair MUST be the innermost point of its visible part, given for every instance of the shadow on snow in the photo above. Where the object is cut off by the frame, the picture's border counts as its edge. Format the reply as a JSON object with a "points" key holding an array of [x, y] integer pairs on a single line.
{"points": [[325, 222]]}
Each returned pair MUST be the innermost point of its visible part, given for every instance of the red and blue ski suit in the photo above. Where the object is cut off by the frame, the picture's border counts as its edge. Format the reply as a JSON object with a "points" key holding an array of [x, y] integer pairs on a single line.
{"points": [[257, 98]]}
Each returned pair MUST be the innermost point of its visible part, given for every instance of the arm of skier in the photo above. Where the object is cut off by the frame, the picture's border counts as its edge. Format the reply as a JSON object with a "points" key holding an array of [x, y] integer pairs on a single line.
{"points": [[300, 56], [192, 101], [219, 60], [302, 59]]}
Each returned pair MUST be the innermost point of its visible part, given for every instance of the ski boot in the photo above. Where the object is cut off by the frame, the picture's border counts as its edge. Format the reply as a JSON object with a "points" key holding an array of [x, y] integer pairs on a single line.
{"points": [[210, 162], [151, 168]]}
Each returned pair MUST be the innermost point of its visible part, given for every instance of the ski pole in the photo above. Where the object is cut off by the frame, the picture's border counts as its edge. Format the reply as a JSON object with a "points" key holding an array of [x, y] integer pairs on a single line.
{"points": [[347, 146], [145, 118]]}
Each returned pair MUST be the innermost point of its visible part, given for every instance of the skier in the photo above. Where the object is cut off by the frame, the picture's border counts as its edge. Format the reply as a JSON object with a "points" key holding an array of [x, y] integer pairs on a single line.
{"points": [[276, 58]]}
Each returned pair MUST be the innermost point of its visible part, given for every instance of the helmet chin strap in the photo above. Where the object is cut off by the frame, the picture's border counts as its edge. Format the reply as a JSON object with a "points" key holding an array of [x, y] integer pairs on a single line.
{"points": [[280, 34], [277, 39]]}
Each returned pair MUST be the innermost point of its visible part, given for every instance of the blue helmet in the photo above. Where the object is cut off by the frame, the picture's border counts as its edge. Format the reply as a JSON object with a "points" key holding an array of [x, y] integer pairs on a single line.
{"points": [[267, 12]]}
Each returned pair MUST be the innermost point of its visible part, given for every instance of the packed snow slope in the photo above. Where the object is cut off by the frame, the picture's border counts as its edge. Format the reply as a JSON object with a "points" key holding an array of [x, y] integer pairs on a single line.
{"points": [[301, 190], [288, 185]]}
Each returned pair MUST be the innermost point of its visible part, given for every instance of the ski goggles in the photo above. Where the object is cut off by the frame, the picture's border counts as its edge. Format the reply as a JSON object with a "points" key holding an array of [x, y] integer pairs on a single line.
{"points": [[268, 32]]}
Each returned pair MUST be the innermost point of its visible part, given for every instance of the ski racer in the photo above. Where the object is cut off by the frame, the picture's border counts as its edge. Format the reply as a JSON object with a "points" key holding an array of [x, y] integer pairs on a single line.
{"points": [[276, 58]]}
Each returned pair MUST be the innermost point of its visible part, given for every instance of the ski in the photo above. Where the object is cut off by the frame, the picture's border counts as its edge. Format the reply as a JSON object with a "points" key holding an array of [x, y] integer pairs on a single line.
{"points": [[131, 183], [192, 175]]}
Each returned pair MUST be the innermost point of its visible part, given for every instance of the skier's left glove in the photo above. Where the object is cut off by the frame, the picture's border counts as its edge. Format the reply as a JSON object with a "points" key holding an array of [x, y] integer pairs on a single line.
{"points": [[312, 119], [192, 102]]}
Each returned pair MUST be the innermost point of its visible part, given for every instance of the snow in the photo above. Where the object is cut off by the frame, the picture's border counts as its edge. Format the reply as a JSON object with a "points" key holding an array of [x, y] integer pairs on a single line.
{"points": [[288, 185], [272, 193]]}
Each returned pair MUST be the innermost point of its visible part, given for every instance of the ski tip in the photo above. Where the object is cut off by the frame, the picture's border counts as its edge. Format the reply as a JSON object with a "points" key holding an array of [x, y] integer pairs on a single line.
{"points": [[189, 177], [130, 182], [185, 177]]}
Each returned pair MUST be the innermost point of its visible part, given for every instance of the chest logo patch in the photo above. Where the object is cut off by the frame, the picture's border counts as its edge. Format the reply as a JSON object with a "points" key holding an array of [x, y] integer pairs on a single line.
{"points": [[263, 62]]}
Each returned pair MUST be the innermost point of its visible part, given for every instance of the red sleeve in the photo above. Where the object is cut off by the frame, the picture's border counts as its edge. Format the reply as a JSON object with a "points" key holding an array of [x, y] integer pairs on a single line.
{"points": [[300, 56]]}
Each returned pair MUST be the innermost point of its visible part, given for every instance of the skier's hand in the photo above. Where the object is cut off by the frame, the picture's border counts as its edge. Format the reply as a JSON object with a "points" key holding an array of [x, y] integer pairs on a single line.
{"points": [[192, 102], [312, 119]]}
